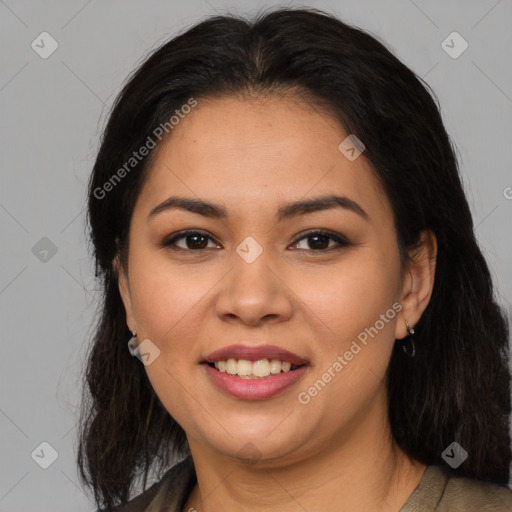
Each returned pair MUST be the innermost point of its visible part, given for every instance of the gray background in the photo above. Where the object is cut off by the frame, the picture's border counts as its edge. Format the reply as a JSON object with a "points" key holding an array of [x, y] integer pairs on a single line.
{"points": [[52, 112]]}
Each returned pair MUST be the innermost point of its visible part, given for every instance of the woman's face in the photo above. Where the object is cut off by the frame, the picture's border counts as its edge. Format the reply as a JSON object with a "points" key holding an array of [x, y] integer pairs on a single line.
{"points": [[255, 274]]}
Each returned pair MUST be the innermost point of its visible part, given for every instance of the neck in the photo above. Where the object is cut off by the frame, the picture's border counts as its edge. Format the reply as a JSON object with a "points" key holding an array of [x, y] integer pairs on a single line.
{"points": [[359, 470]]}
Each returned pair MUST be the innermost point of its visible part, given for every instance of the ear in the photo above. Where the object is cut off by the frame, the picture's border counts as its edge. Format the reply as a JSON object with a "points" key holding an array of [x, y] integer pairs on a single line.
{"points": [[418, 282], [125, 292]]}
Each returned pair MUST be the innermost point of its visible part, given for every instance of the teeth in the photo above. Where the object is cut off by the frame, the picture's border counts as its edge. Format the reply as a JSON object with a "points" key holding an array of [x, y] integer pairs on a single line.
{"points": [[260, 368], [275, 366], [248, 369], [231, 366], [244, 367]]}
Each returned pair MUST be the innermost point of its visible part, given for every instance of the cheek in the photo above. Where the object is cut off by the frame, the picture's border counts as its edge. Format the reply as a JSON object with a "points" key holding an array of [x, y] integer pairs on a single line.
{"points": [[352, 296], [167, 300], [169, 308], [168, 304], [355, 323]]}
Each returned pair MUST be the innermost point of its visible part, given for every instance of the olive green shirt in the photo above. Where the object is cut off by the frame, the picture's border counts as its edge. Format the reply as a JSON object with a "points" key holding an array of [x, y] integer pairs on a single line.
{"points": [[438, 491]]}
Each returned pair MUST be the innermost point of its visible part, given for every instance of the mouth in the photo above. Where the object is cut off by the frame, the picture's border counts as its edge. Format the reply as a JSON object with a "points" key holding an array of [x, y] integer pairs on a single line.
{"points": [[254, 362], [254, 372], [260, 369]]}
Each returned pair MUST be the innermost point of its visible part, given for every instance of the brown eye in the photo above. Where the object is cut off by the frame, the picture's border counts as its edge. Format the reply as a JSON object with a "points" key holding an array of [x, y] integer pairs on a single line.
{"points": [[189, 241], [321, 241]]}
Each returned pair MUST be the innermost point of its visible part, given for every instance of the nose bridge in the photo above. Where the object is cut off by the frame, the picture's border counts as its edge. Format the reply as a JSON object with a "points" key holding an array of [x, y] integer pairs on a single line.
{"points": [[253, 289], [252, 278]]}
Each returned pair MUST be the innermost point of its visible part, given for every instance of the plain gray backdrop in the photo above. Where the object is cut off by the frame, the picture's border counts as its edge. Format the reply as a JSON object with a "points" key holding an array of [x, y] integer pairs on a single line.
{"points": [[52, 111]]}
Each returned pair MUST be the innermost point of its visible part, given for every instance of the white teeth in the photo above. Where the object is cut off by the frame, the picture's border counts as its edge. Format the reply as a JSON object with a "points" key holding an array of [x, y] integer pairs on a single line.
{"points": [[244, 367], [275, 366], [231, 366], [248, 369], [261, 368]]}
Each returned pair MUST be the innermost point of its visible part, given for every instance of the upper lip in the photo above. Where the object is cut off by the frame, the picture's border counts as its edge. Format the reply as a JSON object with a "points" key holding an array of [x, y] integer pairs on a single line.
{"points": [[254, 353]]}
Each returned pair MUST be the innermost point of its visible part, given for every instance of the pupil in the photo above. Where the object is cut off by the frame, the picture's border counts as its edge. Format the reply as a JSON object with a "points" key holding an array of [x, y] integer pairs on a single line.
{"points": [[195, 245], [321, 245]]}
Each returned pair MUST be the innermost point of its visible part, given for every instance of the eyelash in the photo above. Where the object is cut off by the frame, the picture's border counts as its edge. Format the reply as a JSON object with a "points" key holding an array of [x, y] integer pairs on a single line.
{"points": [[342, 241]]}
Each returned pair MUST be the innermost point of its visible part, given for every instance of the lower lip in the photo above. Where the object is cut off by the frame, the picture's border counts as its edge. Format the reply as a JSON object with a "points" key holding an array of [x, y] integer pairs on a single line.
{"points": [[254, 389]]}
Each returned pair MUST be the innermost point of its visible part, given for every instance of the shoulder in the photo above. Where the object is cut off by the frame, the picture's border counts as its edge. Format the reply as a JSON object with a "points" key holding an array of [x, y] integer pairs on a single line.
{"points": [[442, 491], [475, 495], [175, 482]]}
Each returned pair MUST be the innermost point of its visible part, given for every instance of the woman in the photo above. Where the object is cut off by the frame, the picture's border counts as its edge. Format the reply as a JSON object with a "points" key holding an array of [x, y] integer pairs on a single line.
{"points": [[283, 240]]}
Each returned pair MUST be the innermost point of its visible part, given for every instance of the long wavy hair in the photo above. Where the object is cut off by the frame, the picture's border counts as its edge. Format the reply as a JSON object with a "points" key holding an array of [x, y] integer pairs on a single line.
{"points": [[457, 388]]}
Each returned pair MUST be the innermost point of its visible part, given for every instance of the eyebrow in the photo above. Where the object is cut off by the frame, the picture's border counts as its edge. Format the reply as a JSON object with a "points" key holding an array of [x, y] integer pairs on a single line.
{"points": [[284, 212]]}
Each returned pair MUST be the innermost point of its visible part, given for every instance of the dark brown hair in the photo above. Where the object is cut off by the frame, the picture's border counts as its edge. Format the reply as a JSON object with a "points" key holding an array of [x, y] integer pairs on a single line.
{"points": [[457, 388]]}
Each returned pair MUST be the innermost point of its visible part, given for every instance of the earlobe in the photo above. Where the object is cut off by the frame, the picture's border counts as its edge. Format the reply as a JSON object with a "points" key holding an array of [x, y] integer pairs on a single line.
{"points": [[418, 282]]}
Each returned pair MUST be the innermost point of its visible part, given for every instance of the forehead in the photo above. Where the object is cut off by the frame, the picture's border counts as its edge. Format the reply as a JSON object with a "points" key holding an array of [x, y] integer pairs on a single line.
{"points": [[246, 154]]}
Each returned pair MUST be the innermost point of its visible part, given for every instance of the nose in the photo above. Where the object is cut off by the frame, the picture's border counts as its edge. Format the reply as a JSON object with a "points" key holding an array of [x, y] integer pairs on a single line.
{"points": [[254, 293]]}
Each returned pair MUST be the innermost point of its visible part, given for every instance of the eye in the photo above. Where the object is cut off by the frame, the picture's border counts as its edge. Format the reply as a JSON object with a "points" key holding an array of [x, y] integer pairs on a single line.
{"points": [[193, 241], [316, 241], [320, 241]]}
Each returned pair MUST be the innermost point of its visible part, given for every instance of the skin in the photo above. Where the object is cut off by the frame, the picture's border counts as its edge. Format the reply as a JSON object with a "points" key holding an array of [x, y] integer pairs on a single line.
{"points": [[250, 156]]}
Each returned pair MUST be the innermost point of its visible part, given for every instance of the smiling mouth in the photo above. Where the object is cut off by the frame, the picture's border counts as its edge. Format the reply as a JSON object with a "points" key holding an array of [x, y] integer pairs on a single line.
{"points": [[260, 369]]}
